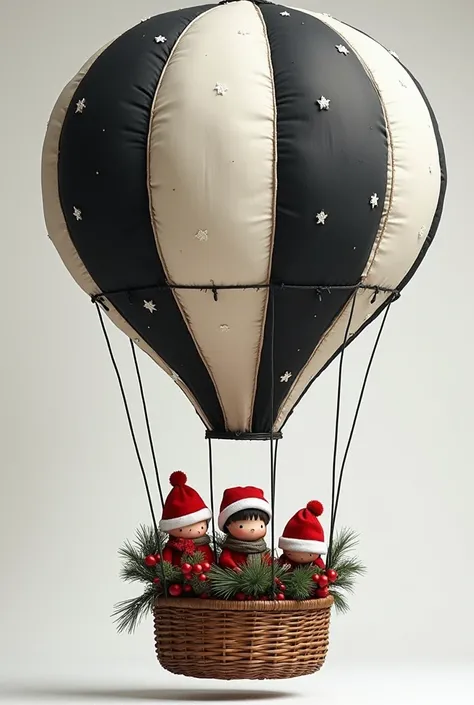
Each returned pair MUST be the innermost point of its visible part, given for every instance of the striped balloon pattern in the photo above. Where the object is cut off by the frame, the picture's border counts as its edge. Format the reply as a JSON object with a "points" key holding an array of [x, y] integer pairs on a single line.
{"points": [[222, 177]]}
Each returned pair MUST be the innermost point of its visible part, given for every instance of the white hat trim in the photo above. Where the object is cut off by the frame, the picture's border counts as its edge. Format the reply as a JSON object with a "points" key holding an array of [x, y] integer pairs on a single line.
{"points": [[185, 520], [303, 545], [240, 505]]}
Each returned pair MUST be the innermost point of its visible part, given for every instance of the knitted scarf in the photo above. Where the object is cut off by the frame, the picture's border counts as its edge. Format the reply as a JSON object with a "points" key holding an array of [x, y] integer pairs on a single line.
{"points": [[188, 546], [238, 546]]}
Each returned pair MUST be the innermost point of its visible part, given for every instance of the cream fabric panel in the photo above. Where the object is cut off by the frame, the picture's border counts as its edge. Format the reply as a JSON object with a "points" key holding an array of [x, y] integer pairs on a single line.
{"points": [[56, 225], [413, 189], [212, 191]]}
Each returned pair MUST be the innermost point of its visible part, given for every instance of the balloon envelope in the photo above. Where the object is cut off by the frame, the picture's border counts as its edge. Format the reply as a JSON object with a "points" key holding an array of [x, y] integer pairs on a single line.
{"points": [[242, 145]]}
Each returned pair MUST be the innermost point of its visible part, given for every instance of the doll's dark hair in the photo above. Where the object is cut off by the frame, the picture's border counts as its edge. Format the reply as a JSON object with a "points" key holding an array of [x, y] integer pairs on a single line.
{"points": [[247, 515]]}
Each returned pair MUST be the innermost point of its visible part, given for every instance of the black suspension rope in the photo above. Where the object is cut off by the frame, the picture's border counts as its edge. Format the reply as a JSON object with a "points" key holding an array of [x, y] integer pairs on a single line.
{"points": [[359, 402], [336, 493], [272, 439], [147, 421], [211, 494], [338, 415], [135, 443]]}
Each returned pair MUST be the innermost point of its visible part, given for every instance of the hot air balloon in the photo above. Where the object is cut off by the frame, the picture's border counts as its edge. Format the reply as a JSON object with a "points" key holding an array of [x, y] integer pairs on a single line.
{"points": [[242, 188]]}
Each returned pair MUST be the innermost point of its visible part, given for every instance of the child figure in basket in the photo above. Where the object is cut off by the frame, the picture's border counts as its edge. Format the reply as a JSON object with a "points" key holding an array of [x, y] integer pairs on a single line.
{"points": [[185, 519], [302, 541], [244, 515]]}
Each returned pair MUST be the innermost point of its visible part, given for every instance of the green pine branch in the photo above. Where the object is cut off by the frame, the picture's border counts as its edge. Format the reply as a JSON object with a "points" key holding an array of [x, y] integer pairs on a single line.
{"points": [[129, 613]]}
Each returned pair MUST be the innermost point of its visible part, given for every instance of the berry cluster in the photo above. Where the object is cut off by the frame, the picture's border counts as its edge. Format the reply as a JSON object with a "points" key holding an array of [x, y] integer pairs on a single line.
{"points": [[322, 581]]}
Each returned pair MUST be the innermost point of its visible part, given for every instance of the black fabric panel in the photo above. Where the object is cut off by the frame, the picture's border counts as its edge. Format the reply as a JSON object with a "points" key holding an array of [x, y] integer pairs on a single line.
{"points": [[103, 172], [424, 249], [331, 160]]}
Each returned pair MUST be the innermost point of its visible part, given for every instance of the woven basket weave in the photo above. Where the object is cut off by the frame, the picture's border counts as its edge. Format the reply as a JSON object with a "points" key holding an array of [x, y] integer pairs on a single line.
{"points": [[242, 640]]}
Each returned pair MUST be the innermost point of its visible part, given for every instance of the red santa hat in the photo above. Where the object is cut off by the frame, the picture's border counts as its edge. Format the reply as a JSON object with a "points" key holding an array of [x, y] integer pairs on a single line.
{"points": [[183, 506], [304, 531], [237, 499]]}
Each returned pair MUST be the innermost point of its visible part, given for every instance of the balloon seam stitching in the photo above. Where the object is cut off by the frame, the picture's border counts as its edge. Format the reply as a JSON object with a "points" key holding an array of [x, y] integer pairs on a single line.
{"points": [[272, 243], [152, 219]]}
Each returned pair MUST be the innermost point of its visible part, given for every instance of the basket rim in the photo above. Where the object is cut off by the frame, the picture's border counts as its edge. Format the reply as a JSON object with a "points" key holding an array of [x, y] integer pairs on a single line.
{"points": [[193, 603]]}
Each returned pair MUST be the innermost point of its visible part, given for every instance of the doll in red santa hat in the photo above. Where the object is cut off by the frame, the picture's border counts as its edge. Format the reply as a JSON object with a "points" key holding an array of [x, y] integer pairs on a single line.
{"points": [[302, 541], [244, 515], [185, 519]]}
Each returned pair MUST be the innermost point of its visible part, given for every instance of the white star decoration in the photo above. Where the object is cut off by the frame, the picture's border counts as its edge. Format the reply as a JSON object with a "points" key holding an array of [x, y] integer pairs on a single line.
{"points": [[149, 305], [323, 103], [285, 14], [224, 327], [285, 377], [201, 235], [342, 49], [160, 39], [81, 105], [220, 89], [77, 213], [321, 218], [374, 200]]}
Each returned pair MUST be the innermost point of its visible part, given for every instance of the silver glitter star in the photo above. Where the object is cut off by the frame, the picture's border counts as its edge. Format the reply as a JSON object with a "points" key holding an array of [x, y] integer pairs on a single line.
{"points": [[201, 235], [77, 213], [285, 14], [286, 376], [149, 305], [321, 218], [160, 39], [374, 201], [342, 49], [421, 232], [81, 105], [323, 103], [220, 89]]}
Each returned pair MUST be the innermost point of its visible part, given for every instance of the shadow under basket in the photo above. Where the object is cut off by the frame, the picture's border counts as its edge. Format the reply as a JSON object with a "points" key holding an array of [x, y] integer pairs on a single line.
{"points": [[230, 640]]}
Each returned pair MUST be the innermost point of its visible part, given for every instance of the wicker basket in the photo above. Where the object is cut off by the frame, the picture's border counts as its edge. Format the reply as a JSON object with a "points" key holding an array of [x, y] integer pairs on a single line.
{"points": [[242, 640]]}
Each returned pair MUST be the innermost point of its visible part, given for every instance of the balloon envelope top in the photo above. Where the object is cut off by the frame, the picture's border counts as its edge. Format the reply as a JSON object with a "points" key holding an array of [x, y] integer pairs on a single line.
{"points": [[224, 176]]}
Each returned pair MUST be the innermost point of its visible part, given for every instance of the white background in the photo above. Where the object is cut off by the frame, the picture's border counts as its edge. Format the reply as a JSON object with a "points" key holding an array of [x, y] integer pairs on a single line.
{"points": [[70, 486]]}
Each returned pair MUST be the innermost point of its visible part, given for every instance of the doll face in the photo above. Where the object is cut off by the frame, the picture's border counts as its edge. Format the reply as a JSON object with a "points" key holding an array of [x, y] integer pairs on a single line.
{"points": [[247, 529], [193, 531], [301, 556]]}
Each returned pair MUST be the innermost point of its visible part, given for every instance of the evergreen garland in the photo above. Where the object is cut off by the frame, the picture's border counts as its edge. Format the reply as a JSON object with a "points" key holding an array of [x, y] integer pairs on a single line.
{"points": [[257, 580]]}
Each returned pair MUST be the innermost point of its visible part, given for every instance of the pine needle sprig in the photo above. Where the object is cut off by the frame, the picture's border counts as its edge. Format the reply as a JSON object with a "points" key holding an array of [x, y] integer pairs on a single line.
{"points": [[129, 613], [299, 583], [344, 543]]}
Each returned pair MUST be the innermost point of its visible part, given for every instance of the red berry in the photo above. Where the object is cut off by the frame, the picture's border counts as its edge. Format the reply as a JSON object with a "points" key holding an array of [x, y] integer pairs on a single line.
{"points": [[240, 596], [197, 568], [202, 577], [315, 578], [280, 596], [282, 587], [175, 590], [186, 568], [150, 561], [187, 587], [250, 598], [204, 596], [157, 557], [206, 567], [264, 598], [278, 581], [322, 592], [323, 581], [332, 575], [157, 581]]}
